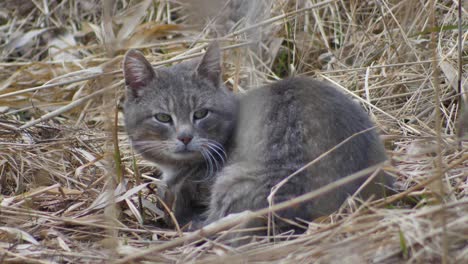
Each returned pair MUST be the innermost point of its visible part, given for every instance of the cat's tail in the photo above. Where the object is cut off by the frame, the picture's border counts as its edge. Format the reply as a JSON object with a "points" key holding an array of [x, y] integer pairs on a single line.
{"points": [[241, 21]]}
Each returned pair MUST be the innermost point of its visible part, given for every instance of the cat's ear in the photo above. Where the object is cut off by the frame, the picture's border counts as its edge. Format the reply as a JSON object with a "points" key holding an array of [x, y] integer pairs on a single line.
{"points": [[137, 71], [210, 65]]}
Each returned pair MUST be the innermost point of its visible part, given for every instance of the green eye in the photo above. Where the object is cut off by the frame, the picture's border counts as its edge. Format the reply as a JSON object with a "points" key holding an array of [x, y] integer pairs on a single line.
{"points": [[164, 118], [200, 114]]}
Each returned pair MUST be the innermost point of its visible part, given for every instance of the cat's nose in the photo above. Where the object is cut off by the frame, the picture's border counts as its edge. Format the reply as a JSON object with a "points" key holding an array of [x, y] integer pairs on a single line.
{"points": [[185, 139]]}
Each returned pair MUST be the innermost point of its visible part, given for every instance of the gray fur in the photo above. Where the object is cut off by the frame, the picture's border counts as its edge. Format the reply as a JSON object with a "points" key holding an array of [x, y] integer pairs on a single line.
{"points": [[281, 128], [274, 131], [180, 91]]}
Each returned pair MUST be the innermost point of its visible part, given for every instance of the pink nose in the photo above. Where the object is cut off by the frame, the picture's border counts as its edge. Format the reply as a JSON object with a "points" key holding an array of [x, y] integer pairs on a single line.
{"points": [[185, 140]]}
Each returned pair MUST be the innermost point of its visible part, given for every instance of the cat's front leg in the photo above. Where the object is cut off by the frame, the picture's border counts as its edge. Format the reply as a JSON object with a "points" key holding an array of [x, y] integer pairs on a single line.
{"points": [[237, 189], [184, 202]]}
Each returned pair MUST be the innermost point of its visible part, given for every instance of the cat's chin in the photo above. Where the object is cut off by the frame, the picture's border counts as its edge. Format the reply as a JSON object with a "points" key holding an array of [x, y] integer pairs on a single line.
{"points": [[186, 155]]}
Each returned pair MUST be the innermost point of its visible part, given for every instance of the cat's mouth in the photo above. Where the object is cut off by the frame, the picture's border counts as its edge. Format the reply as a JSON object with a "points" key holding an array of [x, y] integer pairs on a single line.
{"points": [[187, 149], [185, 152]]}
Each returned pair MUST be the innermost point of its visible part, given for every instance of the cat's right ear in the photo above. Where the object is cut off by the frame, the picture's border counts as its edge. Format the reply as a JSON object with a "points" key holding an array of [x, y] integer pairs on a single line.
{"points": [[138, 72], [210, 64]]}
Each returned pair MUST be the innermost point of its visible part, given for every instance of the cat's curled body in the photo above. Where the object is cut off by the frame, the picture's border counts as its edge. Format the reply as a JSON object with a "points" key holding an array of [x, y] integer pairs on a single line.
{"points": [[284, 126], [267, 134]]}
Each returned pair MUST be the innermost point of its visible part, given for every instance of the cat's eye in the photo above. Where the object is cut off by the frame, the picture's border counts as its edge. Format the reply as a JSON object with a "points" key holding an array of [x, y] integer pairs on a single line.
{"points": [[200, 114], [164, 118]]}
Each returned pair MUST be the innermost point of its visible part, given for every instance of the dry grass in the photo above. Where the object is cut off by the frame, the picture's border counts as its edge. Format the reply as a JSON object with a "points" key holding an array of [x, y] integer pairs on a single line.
{"points": [[72, 191]]}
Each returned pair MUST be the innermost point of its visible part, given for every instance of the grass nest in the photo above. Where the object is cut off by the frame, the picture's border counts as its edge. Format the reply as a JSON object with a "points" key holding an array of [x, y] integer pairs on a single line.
{"points": [[72, 191]]}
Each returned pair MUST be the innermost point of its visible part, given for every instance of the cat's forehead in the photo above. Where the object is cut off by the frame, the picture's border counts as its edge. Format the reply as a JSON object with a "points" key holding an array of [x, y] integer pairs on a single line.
{"points": [[180, 103], [182, 78], [177, 88], [186, 67]]}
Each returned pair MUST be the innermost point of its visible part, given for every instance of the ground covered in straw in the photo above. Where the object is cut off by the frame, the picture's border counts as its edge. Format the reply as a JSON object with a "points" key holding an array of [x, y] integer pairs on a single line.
{"points": [[71, 190]]}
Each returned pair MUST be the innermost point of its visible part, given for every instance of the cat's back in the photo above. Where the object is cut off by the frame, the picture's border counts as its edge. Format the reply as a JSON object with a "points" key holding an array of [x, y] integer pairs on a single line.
{"points": [[301, 118], [300, 95], [313, 97]]}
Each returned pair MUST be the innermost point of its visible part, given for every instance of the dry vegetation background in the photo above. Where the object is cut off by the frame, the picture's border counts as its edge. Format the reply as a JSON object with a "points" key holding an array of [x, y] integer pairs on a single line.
{"points": [[71, 191]]}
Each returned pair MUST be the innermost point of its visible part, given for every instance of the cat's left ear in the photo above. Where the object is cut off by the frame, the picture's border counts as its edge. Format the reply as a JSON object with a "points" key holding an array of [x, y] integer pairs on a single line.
{"points": [[210, 65], [138, 72]]}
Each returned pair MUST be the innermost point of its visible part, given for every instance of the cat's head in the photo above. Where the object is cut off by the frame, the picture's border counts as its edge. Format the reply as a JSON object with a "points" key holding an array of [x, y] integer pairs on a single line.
{"points": [[178, 114]]}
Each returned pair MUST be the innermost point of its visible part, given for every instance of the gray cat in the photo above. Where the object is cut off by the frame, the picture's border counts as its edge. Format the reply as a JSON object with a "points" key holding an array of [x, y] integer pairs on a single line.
{"points": [[222, 154]]}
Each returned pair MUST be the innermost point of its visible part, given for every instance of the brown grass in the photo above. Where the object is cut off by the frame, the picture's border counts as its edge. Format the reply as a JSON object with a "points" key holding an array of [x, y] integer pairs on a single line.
{"points": [[72, 191]]}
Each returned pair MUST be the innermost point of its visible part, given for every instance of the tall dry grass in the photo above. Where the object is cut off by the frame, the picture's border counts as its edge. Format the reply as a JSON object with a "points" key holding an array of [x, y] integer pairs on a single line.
{"points": [[72, 191]]}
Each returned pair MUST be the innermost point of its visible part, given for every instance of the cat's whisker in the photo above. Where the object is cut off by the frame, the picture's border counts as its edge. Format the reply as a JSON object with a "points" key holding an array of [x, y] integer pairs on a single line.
{"points": [[212, 167], [207, 159], [215, 143], [152, 146], [211, 147], [215, 161], [150, 142], [218, 148]]}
